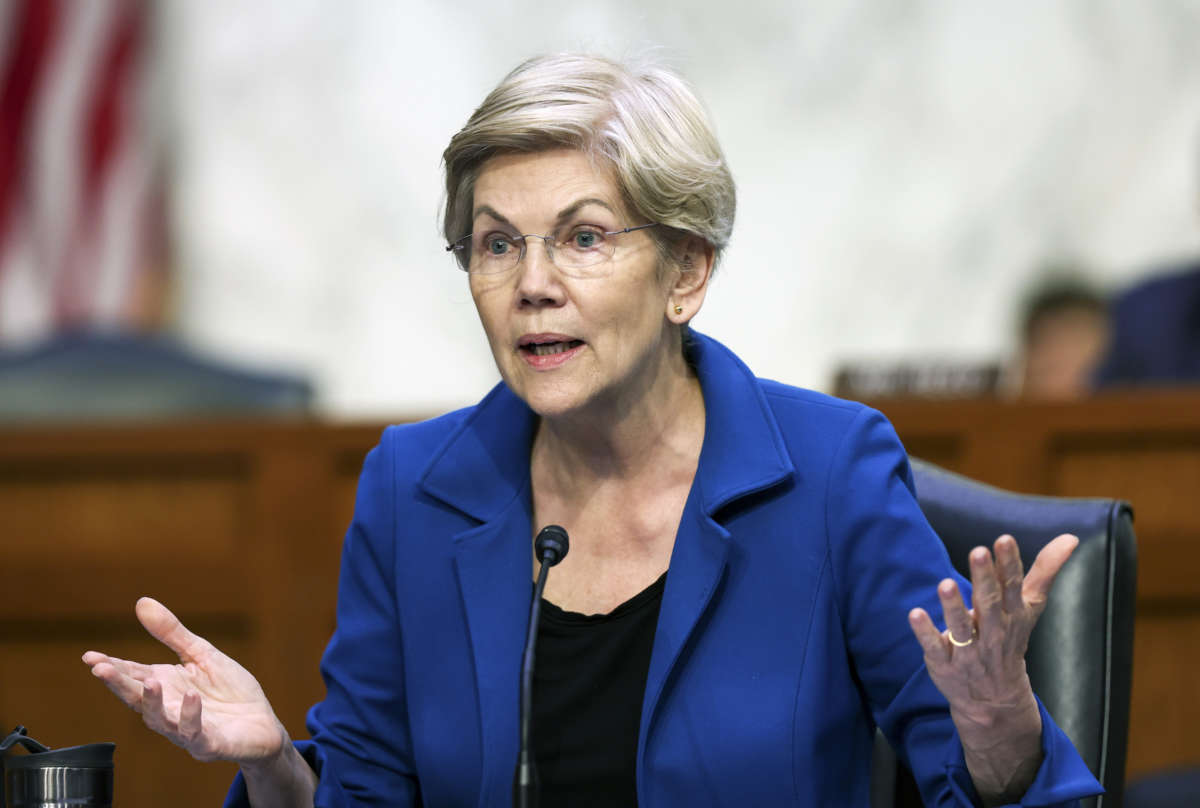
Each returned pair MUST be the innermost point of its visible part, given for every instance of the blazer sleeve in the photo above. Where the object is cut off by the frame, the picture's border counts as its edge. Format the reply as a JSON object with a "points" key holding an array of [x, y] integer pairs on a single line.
{"points": [[886, 560], [361, 748]]}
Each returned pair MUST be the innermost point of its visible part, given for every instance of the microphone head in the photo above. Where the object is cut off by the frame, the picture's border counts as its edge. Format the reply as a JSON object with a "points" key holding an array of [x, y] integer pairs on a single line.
{"points": [[551, 545]]}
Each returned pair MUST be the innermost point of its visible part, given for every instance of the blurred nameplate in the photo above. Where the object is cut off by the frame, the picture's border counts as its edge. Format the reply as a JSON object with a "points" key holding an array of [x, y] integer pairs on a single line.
{"points": [[933, 379]]}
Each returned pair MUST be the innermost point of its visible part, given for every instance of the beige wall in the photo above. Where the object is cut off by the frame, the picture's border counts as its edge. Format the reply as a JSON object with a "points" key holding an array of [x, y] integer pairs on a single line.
{"points": [[901, 166]]}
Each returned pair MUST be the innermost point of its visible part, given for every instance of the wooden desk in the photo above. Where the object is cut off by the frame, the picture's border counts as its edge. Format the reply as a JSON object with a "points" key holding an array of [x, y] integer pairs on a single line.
{"points": [[1140, 447], [238, 528]]}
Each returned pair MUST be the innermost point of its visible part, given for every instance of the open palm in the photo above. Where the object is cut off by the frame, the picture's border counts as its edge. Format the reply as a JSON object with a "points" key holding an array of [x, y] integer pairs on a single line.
{"points": [[978, 662], [208, 704]]}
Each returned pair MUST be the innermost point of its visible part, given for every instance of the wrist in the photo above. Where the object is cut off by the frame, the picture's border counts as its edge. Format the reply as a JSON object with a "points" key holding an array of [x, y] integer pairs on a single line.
{"points": [[1002, 750], [272, 762], [281, 780]]}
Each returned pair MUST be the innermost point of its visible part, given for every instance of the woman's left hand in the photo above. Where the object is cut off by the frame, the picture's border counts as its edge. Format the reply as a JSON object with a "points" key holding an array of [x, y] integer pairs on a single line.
{"points": [[978, 662]]}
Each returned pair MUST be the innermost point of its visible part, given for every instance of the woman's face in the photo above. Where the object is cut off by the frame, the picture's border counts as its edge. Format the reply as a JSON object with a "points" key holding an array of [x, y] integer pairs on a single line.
{"points": [[604, 338]]}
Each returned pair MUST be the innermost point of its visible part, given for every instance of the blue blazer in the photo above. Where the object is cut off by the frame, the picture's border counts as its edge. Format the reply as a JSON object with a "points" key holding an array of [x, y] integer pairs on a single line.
{"points": [[782, 640]]}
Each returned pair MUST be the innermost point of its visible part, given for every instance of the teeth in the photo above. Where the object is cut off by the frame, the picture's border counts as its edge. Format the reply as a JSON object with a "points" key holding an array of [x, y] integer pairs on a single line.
{"points": [[551, 348]]}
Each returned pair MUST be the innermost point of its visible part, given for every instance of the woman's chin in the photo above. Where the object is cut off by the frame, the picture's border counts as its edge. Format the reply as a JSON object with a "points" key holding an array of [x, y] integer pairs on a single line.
{"points": [[553, 401], [554, 405]]}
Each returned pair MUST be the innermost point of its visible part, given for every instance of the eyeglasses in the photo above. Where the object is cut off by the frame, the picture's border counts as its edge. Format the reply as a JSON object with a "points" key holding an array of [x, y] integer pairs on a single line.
{"points": [[581, 251]]}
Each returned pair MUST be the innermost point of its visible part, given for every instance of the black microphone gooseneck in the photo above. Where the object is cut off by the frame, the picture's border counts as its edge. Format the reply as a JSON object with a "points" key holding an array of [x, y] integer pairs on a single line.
{"points": [[550, 547]]}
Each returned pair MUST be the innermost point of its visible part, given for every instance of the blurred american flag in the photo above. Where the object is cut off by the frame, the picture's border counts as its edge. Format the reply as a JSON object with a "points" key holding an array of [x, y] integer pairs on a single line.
{"points": [[81, 220]]}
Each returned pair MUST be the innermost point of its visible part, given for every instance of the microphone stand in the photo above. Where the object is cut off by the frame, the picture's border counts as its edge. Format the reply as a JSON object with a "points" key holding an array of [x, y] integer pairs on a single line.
{"points": [[551, 547]]}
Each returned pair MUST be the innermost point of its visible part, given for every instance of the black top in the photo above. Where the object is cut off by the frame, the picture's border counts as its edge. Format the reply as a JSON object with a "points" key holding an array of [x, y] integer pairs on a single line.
{"points": [[587, 700]]}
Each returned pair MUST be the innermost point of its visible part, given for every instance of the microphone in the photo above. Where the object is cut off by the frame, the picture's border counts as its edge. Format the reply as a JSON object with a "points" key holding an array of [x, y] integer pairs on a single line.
{"points": [[550, 547]]}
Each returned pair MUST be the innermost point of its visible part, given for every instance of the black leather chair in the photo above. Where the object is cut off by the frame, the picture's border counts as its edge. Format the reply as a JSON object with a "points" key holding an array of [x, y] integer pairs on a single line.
{"points": [[1080, 656]]}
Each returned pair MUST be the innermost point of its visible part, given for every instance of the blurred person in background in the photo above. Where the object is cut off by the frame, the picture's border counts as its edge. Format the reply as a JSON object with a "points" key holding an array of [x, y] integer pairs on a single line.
{"points": [[1156, 330], [1064, 333], [752, 587]]}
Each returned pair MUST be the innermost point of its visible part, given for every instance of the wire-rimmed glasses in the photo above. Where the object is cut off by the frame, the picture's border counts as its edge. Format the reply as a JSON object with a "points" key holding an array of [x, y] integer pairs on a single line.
{"points": [[581, 251]]}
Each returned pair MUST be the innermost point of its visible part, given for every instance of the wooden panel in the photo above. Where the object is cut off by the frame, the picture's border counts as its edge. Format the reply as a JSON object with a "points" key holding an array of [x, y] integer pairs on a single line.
{"points": [[1160, 477], [49, 589], [1161, 480], [232, 525], [943, 450], [1165, 709], [297, 558], [345, 487], [84, 509]]}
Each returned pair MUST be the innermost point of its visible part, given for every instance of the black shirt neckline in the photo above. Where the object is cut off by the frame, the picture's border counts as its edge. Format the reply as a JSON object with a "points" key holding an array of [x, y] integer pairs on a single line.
{"points": [[641, 600]]}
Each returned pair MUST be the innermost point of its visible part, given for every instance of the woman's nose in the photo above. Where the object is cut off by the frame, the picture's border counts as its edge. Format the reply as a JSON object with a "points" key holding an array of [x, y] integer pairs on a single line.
{"points": [[539, 282]]}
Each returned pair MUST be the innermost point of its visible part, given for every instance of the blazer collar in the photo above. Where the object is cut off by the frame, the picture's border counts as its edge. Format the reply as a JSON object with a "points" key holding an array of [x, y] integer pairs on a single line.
{"points": [[484, 464], [743, 449]]}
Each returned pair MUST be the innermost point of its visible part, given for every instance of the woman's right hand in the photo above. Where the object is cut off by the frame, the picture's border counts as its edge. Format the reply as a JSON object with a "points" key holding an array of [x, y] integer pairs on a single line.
{"points": [[209, 704]]}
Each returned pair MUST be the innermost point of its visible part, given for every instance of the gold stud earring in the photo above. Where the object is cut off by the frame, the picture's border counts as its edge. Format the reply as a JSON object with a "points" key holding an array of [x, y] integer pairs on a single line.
{"points": [[678, 309]]}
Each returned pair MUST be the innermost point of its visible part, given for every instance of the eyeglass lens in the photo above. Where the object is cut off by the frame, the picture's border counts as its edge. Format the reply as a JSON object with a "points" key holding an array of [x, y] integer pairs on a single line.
{"points": [[581, 247]]}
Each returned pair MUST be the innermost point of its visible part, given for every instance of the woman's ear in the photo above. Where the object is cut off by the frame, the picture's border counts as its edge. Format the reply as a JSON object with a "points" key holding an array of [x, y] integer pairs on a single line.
{"points": [[694, 259]]}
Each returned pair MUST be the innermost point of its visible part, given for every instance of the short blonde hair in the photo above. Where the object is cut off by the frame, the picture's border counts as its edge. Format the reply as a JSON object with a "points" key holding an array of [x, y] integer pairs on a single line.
{"points": [[644, 121]]}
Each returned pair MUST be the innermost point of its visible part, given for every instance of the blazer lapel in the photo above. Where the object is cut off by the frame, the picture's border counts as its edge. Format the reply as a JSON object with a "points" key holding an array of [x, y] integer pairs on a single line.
{"points": [[482, 471], [697, 564], [743, 452], [494, 567]]}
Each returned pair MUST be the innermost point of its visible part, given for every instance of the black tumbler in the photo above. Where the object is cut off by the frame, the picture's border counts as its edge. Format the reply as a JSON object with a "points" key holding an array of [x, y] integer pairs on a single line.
{"points": [[71, 777]]}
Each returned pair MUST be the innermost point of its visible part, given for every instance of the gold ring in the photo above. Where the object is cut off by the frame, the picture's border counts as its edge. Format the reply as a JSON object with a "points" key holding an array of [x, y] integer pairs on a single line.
{"points": [[956, 643]]}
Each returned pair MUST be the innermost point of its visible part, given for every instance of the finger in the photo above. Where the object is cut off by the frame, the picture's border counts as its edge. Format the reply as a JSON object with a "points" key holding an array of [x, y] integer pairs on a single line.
{"points": [[958, 621], [986, 596], [1011, 573], [932, 641], [1036, 587], [153, 713], [190, 717], [166, 628], [123, 687], [134, 670]]}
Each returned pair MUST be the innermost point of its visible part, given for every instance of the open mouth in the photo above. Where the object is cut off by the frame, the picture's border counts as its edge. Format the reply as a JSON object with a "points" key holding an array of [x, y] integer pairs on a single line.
{"points": [[549, 348]]}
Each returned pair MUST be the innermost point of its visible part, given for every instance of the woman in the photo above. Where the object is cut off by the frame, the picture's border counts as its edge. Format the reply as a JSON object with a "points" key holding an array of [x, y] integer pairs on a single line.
{"points": [[728, 627]]}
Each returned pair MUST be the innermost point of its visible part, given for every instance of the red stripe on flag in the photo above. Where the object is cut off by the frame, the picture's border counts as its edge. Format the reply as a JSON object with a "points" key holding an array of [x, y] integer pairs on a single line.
{"points": [[36, 24], [105, 132], [107, 117]]}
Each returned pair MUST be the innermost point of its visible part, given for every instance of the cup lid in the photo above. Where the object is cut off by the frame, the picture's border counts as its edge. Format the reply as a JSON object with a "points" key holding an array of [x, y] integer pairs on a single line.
{"points": [[87, 756]]}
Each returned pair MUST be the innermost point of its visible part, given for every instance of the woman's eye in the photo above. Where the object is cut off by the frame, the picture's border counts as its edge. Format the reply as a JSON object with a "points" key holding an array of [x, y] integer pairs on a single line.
{"points": [[498, 245], [586, 239]]}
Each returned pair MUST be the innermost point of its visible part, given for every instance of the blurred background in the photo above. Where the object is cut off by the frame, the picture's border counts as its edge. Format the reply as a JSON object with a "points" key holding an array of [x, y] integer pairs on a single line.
{"points": [[259, 180], [213, 214]]}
